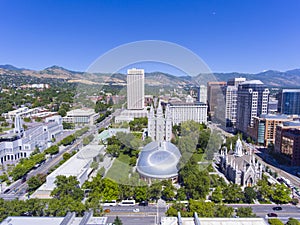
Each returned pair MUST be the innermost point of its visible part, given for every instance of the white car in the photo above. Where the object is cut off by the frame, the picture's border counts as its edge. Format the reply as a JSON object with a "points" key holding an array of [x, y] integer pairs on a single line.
{"points": [[136, 210]]}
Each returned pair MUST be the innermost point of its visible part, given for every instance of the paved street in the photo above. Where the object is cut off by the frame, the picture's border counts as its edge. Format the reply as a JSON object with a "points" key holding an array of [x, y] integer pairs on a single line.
{"points": [[263, 209], [149, 214]]}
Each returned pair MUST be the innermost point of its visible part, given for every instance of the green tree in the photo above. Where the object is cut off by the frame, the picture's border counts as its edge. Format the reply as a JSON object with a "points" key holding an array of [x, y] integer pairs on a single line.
{"points": [[168, 193], [171, 211], [196, 182], [217, 195], [233, 193], [67, 126], [245, 212], [264, 190], [113, 150], [67, 187], [223, 211], [62, 112], [155, 191], [52, 150], [94, 165], [118, 221], [35, 182], [281, 194], [249, 194], [141, 193], [203, 209], [181, 196], [109, 189], [292, 221], [275, 221]]}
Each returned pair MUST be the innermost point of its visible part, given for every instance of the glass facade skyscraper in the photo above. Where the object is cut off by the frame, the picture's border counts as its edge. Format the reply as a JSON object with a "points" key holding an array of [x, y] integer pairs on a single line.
{"points": [[289, 101]]}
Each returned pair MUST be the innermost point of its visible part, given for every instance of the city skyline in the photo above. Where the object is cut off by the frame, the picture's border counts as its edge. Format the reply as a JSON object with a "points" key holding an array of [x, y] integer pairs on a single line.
{"points": [[243, 37]]}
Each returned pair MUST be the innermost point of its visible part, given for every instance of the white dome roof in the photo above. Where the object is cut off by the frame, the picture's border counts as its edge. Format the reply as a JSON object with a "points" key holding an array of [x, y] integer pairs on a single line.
{"points": [[159, 160]]}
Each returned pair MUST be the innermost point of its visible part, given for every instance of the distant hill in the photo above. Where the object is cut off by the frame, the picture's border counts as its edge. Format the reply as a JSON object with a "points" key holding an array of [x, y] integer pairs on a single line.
{"points": [[272, 78], [10, 67]]}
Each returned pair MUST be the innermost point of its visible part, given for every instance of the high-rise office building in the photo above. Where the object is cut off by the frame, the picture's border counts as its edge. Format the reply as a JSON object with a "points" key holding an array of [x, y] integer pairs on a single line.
{"points": [[252, 100], [202, 94], [231, 100], [215, 95], [135, 89], [289, 101], [236, 81]]}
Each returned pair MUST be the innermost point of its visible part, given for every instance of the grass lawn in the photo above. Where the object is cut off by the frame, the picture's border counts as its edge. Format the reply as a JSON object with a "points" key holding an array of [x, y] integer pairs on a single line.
{"points": [[5, 128], [120, 170]]}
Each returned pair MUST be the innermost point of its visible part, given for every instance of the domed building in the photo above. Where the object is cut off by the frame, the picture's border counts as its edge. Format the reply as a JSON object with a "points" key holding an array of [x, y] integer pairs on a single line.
{"points": [[158, 160]]}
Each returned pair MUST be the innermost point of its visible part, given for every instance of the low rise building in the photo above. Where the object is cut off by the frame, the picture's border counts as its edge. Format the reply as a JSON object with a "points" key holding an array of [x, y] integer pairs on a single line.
{"points": [[22, 112], [20, 144], [81, 116], [264, 127], [210, 221], [288, 141], [78, 165], [70, 218], [129, 115]]}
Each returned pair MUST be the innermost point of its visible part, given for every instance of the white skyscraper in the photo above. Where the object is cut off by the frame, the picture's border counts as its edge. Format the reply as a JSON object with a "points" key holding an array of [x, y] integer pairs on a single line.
{"points": [[231, 100], [135, 89], [202, 94]]}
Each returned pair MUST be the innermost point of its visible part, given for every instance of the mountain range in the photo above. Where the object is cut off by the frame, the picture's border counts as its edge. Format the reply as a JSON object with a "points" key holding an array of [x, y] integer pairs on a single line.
{"points": [[271, 78]]}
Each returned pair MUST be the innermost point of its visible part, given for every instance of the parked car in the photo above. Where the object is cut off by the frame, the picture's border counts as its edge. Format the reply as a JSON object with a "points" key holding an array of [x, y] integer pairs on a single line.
{"points": [[277, 208], [143, 203], [272, 215]]}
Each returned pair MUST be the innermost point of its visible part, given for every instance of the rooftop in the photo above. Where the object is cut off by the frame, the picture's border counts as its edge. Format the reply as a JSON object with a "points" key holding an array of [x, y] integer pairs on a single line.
{"points": [[159, 160], [81, 112], [252, 82], [273, 116], [76, 164], [290, 90], [214, 221]]}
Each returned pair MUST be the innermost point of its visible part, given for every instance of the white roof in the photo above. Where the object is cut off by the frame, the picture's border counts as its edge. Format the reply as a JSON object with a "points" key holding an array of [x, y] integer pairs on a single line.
{"points": [[290, 90], [252, 82], [81, 112], [215, 221], [76, 164], [23, 220]]}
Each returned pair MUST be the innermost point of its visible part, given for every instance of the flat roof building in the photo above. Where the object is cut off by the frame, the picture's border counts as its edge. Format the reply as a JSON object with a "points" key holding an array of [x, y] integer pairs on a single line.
{"points": [[189, 110], [81, 116], [264, 127], [287, 141], [78, 166], [70, 218]]}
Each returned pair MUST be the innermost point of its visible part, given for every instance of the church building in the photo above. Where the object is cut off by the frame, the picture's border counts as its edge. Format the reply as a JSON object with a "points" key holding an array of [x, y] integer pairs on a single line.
{"points": [[160, 125], [240, 168]]}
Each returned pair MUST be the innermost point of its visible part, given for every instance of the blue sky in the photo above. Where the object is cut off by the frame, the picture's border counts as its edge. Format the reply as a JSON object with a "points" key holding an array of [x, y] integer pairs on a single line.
{"points": [[229, 35]]}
